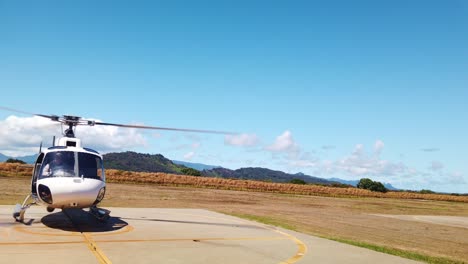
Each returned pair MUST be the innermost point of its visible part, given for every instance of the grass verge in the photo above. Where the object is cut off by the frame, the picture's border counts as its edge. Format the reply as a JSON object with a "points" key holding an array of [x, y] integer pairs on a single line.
{"points": [[263, 219], [387, 250], [397, 252]]}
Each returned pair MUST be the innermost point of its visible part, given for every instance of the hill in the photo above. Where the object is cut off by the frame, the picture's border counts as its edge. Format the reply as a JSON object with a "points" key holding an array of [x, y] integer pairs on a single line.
{"points": [[132, 161], [262, 174], [28, 159], [197, 166]]}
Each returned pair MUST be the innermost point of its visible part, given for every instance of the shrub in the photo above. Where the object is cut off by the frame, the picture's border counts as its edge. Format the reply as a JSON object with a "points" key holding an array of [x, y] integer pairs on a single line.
{"points": [[11, 160], [297, 181], [191, 172], [426, 191]]}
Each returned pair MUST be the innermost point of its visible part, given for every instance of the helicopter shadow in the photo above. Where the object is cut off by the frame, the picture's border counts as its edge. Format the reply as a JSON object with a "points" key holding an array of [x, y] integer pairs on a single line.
{"points": [[78, 220]]}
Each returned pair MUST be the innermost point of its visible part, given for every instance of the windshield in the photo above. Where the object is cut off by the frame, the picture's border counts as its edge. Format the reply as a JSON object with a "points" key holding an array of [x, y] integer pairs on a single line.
{"points": [[72, 164], [90, 166]]}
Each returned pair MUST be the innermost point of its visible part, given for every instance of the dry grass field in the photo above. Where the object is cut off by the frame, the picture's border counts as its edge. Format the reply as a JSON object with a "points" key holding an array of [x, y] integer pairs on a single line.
{"points": [[117, 176], [342, 218], [248, 185]]}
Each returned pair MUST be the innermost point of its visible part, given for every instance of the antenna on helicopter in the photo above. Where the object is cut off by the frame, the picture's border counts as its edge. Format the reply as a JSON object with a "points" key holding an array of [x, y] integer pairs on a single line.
{"points": [[40, 148]]}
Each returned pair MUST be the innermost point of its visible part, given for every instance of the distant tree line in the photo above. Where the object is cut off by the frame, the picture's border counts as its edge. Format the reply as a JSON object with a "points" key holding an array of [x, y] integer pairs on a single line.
{"points": [[297, 181], [11, 160]]}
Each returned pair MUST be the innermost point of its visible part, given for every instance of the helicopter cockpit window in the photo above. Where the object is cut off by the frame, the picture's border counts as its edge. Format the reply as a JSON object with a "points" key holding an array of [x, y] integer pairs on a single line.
{"points": [[58, 164], [90, 166]]}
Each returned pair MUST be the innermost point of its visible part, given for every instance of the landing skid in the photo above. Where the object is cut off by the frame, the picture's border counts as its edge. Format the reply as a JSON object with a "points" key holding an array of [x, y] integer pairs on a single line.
{"points": [[20, 209], [100, 214]]}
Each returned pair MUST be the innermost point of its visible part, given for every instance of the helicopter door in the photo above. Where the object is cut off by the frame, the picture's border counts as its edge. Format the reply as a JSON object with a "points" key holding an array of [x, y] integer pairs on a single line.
{"points": [[37, 169]]}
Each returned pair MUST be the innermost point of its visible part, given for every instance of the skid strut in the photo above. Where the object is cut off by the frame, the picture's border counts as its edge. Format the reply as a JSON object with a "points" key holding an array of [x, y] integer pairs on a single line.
{"points": [[20, 209], [100, 214]]}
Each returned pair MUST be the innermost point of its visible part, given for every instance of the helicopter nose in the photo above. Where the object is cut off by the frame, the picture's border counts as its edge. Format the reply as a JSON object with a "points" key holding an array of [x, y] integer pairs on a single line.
{"points": [[71, 192]]}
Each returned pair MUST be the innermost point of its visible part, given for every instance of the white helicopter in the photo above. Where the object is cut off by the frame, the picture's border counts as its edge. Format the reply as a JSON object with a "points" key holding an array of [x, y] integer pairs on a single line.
{"points": [[68, 175]]}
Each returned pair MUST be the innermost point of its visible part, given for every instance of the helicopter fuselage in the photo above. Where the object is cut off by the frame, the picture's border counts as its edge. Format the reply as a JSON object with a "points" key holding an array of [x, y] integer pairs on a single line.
{"points": [[68, 176]]}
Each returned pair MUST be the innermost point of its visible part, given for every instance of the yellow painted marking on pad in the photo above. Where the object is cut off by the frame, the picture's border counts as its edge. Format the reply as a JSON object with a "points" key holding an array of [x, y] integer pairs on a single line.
{"points": [[100, 256], [301, 248], [40, 243], [30, 230], [92, 243]]}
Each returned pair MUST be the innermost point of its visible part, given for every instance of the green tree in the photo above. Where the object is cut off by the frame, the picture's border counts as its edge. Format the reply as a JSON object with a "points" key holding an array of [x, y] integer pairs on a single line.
{"points": [[297, 181], [365, 183], [378, 187], [11, 160], [424, 191], [191, 172], [368, 184]]}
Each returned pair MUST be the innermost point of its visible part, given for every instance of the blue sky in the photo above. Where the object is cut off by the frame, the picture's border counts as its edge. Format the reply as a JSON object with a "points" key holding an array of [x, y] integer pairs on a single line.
{"points": [[332, 88]]}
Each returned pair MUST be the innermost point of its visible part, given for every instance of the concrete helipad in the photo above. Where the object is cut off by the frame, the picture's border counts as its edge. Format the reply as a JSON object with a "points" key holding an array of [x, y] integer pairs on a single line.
{"points": [[140, 235]]}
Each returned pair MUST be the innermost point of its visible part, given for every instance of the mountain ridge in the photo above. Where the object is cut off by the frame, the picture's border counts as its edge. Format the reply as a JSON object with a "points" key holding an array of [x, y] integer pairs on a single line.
{"points": [[30, 159], [197, 166], [132, 161], [258, 173], [140, 162]]}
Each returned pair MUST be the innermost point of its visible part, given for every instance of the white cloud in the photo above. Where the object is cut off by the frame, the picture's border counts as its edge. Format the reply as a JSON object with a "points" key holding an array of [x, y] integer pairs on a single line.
{"points": [[303, 163], [284, 143], [109, 138], [441, 178], [436, 166], [189, 156], [358, 150], [357, 164], [378, 146], [22, 136], [456, 178], [244, 140]]}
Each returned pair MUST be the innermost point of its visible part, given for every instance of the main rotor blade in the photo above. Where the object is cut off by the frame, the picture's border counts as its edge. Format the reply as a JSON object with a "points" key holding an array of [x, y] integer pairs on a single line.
{"points": [[15, 110], [65, 120], [167, 128], [23, 112]]}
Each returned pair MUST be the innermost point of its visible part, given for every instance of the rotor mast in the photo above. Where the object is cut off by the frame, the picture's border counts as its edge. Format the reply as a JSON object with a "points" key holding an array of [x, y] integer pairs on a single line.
{"points": [[70, 121]]}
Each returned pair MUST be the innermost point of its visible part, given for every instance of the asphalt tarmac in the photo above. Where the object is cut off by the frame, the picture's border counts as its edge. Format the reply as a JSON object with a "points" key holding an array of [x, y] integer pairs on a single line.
{"points": [[154, 235]]}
